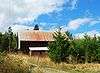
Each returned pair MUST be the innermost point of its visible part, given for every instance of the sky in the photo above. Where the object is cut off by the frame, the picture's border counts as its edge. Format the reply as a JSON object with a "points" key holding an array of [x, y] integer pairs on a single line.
{"points": [[76, 16]]}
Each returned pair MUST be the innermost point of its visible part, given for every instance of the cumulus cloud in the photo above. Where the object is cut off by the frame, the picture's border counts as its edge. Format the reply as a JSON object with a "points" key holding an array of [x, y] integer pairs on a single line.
{"points": [[90, 33], [76, 23], [24, 11], [12, 11]]}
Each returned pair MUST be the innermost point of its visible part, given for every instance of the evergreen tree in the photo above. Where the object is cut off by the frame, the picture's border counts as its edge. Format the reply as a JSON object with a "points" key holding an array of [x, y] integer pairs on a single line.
{"points": [[86, 46], [92, 48], [98, 50], [36, 27], [8, 40], [0, 38], [79, 51], [69, 35], [71, 47], [0, 41], [10, 37], [5, 42], [58, 48]]}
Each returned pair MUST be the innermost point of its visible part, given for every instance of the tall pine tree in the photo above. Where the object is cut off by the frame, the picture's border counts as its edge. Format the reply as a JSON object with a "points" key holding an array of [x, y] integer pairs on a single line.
{"points": [[59, 47]]}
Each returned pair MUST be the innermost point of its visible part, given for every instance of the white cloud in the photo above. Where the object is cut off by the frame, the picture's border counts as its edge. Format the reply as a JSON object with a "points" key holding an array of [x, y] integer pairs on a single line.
{"points": [[90, 33], [94, 22], [72, 4], [2, 18], [42, 27], [76, 23], [12, 11], [24, 11], [17, 28]]}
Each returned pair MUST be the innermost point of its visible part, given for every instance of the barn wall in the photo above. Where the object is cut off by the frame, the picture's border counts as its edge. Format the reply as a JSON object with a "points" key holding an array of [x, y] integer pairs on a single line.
{"points": [[24, 45]]}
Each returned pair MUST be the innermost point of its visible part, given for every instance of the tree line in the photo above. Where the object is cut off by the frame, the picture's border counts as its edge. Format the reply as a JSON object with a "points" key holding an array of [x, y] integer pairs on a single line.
{"points": [[66, 48], [8, 41]]}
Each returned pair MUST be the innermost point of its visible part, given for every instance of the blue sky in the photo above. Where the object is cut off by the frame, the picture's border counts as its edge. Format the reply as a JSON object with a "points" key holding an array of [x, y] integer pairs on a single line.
{"points": [[84, 9], [77, 16]]}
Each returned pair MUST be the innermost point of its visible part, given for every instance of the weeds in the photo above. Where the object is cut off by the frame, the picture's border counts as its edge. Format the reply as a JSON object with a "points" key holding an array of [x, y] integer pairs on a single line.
{"points": [[19, 63]]}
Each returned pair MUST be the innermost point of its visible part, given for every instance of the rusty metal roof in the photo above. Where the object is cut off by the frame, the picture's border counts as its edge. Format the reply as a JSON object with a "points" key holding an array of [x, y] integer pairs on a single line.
{"points": [[35, 35]]}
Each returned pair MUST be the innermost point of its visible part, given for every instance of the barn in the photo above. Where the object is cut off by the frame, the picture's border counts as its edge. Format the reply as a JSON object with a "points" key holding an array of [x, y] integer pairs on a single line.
{"points": [[34, 41]]}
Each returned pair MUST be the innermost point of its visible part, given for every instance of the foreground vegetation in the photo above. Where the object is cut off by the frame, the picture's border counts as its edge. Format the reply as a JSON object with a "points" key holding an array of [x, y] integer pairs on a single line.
{"points": [[66, 48], [19, 63], [66, 55]]}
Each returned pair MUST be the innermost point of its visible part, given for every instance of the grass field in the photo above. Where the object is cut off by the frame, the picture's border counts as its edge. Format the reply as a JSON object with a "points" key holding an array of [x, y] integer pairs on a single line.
{"points": [[19, 63]]}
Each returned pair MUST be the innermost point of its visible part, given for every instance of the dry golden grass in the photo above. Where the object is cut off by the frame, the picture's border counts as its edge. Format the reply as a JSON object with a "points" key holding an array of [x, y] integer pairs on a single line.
{"points": [[24, 63]]}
